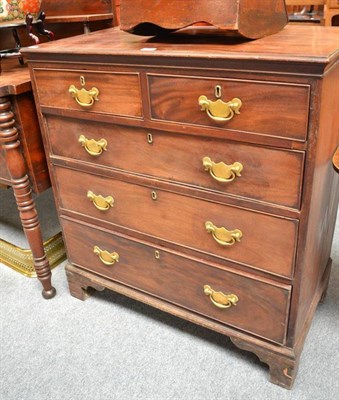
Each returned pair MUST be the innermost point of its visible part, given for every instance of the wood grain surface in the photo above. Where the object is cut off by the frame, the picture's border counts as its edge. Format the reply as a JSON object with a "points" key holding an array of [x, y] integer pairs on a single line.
{"points": [[167, 158], [268, 242], [175, 99], [181, 281], [252, 19], [125, 88], [291, 46]]}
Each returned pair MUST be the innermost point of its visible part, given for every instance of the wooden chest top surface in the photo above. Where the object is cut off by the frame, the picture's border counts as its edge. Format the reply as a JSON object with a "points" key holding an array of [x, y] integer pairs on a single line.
{"points": [[310, 44]]}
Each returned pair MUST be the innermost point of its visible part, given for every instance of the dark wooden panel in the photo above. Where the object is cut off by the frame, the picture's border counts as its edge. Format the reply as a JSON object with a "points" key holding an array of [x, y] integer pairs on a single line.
{"points": [[31, 141], [76, 7], [181, 281], [268, 242], [176, 99], [321, 197]]}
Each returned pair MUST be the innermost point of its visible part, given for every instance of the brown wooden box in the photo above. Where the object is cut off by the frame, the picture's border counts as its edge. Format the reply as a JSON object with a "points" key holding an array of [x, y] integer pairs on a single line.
{"points": [[248, 18]]}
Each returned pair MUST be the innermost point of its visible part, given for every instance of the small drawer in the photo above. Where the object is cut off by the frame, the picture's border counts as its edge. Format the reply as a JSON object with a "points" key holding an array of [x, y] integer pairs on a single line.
{"points": [[265, 242], [165, 156], [90, 91], [259, 307], [258, 107]]}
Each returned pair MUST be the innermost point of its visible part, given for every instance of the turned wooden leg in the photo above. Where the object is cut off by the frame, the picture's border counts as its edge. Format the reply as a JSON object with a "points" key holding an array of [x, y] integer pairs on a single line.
{"points": [[283, 369], [79, 286], [23, 195]]}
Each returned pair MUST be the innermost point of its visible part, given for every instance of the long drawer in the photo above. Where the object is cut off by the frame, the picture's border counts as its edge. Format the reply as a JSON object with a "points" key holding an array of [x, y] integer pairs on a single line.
{"points": [[255, 239], [67, 90], [182, 281], [267, 108], [165, 156]]}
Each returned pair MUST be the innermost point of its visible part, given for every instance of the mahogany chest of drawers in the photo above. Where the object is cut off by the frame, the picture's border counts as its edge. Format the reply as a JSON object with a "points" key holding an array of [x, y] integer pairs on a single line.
{"points": [[195, 175]]}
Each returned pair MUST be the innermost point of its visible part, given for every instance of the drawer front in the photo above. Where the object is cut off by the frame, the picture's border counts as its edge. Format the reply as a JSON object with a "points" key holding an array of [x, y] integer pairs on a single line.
{"points": [[262, 308], [111, 93], [267, 242], [165, 156], [268, 108]]}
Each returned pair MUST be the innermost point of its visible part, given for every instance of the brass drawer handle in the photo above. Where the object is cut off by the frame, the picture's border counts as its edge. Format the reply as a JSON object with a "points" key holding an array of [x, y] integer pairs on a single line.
{"points": [[106, 257], [222, 172], [93, 147], [219, 299], [218, 110], [85, 98], [223, 236], [100, 202]]}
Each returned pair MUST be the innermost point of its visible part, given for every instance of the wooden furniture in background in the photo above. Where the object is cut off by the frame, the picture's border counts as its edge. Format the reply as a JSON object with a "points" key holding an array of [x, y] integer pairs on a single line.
{"points": [[196, 175], [30, 34], [69, 18], [307, 3], [331, 11], [304, 11], [117, 9], [83, 11], [247, 18], [328, 8], [23, 163], [65, 18]]}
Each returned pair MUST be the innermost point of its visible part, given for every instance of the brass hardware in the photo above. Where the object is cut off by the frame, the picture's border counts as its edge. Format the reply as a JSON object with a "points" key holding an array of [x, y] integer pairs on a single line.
{"points": [[106, 257], [100, 202], [22, 260], [223, 236], [157, 254], [154, 195], [85, 98], [217, 91], [218, 110], [219, 299], [222, 172], [93, 147], [149, 138]]}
